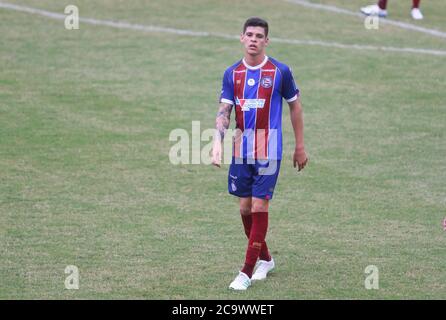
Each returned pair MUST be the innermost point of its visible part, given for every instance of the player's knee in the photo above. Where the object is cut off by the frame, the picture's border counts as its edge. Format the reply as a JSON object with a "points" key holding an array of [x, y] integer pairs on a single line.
{"points": [[245, 211], [259, 207]]}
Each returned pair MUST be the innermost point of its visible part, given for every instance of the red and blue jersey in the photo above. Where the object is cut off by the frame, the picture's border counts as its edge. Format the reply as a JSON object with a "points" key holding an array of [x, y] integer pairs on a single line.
{"points": [[257, 92]]}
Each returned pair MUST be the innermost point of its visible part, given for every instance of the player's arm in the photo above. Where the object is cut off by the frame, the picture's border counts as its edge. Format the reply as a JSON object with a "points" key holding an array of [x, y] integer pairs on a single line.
{"points": [[221, 126], [296, 114]]}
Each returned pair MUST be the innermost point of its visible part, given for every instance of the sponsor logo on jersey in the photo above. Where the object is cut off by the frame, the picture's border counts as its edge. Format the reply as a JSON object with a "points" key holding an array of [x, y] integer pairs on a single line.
{"points": [[251, 82], [247, 104]]}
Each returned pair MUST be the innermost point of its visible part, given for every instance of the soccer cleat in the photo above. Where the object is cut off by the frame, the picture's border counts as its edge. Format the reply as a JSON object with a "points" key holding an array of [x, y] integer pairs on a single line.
{"points": [[262, 270], [416, 14], [241, 282], [374, 10]]}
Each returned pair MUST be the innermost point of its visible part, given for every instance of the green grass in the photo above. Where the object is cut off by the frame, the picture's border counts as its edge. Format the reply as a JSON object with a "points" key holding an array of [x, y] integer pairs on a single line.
{"points": [[85, 178]]}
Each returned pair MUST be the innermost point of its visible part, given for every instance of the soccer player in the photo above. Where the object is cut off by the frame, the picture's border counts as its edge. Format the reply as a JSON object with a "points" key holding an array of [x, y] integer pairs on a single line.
{"points": [[255, 86], [380, 9]]}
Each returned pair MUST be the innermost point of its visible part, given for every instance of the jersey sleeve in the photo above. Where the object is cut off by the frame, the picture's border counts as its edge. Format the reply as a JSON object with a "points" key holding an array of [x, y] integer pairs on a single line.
{"points": [[290, 91], [227, 90]]}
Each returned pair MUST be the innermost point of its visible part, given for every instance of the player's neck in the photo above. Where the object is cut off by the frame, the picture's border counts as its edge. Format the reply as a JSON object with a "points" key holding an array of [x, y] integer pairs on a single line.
{"points": [[254, 61]]}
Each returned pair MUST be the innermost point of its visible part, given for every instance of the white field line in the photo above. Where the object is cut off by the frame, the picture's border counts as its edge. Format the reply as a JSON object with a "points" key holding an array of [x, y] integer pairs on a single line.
{"points": [[149, 28], [404, 25]]}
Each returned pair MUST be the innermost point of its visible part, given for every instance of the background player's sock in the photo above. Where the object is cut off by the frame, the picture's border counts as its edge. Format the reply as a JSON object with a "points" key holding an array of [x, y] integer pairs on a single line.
{"points": [[415, 3], [256, 238], [247, 223], [382, 4]]}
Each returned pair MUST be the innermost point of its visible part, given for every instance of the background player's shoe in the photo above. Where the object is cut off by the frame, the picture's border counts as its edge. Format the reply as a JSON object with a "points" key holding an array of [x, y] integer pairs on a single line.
{"points": [[241, 282], [374, 10], [416, 14], [262, 269]]}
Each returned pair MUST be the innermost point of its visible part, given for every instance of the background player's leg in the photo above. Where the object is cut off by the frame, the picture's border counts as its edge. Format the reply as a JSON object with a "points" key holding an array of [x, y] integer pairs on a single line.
{"points": [[378, 9], [415, 11], [382, 4]]}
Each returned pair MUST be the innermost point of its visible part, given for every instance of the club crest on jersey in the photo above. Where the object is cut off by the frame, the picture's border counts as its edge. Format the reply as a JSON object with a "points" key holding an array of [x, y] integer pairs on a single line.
{"points": [[266, 82], [247, 104]]}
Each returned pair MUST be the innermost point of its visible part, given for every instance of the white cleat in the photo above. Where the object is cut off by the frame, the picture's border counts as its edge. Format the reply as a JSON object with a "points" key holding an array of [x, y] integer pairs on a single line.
{"points": [[374, 10], [262, 270], [241, 282], [416, 14]]}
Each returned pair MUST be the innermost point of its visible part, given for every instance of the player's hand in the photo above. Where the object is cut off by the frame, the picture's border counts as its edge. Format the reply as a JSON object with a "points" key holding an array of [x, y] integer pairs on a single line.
{"points": [[216, 154], [300, 158]]}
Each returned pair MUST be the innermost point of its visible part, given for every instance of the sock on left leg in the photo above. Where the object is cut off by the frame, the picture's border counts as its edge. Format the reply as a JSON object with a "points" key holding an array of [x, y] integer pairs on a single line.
{"points": [[247, 223], [256, 238]]}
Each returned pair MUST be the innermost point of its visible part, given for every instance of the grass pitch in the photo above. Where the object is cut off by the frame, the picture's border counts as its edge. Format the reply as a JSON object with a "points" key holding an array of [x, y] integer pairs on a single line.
{"points": [[85, 178]]}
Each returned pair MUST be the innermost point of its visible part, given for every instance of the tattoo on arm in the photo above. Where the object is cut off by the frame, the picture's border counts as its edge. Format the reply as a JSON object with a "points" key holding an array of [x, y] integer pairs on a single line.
{"points": [[223, 118]]}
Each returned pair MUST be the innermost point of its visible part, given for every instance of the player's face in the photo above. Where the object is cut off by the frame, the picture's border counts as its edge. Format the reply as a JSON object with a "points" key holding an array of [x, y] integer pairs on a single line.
{"points": [[254, 40]]}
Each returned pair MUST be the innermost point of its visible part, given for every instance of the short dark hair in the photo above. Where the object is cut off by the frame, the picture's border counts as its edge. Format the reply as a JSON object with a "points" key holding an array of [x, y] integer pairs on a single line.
{"points": [[256, 22]]}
